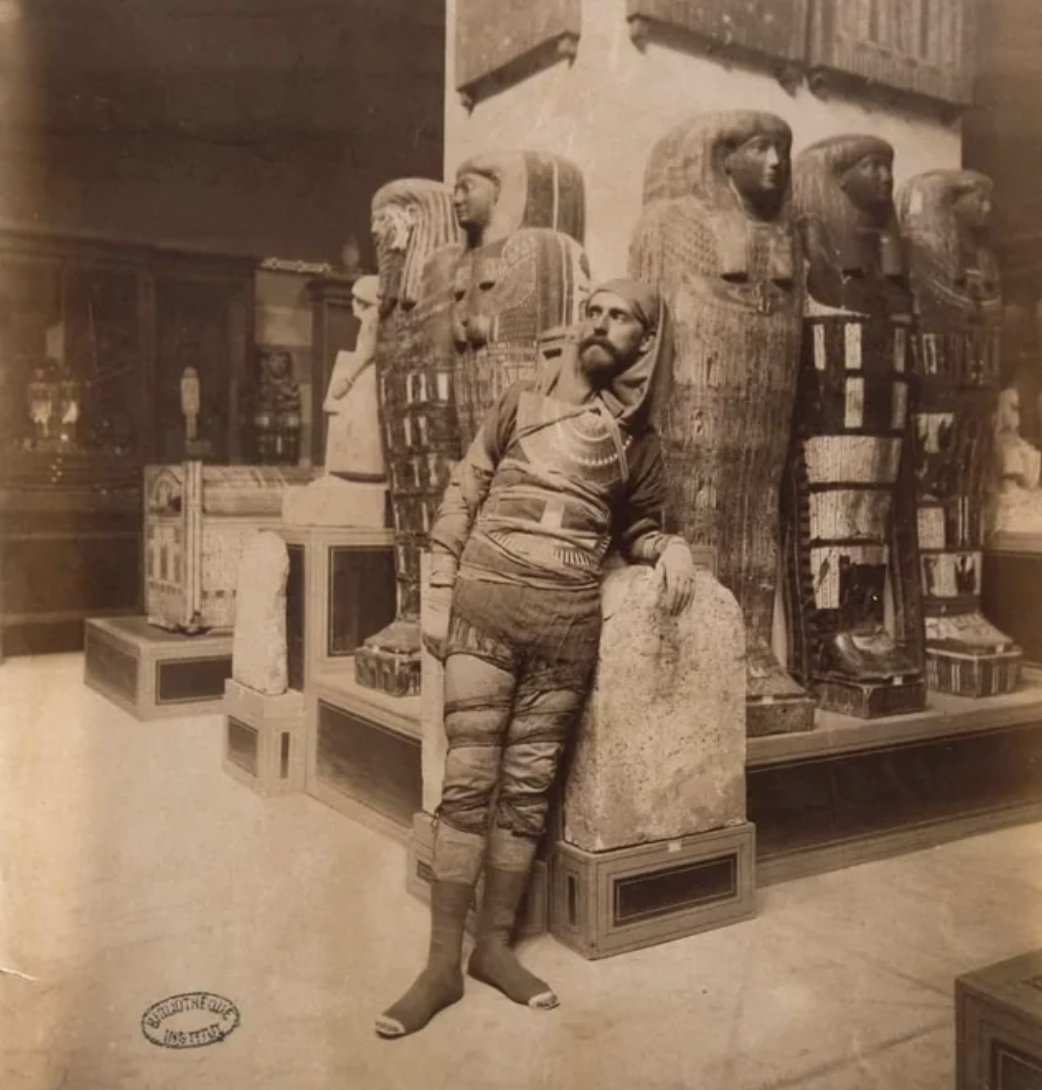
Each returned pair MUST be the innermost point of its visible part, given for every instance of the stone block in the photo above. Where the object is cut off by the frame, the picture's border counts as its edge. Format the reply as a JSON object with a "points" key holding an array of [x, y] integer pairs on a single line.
{"points": [[661, 748], [259, 641], [332, 501]]}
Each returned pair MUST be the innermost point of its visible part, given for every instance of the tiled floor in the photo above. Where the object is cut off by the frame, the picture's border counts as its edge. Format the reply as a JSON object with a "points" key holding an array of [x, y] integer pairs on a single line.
{"points": [[132, 869]]}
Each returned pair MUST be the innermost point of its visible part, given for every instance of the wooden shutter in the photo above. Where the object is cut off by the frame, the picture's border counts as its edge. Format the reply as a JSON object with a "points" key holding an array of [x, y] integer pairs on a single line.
{"points": [[501, 41], [770, 28], [923, 47]]}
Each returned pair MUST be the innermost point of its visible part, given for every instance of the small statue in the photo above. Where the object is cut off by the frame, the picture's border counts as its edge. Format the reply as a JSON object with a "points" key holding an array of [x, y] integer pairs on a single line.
{"points": [[523, 271], [43, 396], [849, 499], [70, 396], [944, 217], [353, 446], [277, 415], [717, 239], [191, 401]]}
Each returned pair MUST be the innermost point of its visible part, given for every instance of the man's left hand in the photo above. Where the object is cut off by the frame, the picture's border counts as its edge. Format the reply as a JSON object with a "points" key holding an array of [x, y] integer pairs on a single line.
{"points": [[677, 572]]}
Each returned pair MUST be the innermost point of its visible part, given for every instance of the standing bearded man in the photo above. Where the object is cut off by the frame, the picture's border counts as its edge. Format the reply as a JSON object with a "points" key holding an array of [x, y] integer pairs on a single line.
{"points": [[562, 469]]}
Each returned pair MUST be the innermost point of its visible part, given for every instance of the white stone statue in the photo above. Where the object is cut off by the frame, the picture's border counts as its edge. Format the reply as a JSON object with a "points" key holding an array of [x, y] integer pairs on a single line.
{"points": [[259, 639], [190, 402], [1017, 506], [353, 449]]}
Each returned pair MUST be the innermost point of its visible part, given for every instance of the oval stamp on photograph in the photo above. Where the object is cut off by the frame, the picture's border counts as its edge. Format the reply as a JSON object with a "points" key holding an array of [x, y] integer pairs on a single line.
{"points": [[192, 1020]]}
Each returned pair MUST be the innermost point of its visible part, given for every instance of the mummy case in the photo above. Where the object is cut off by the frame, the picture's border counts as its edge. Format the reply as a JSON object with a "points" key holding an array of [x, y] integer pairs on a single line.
{"points": [[849, 530], [955, 280], [727, 262], [417, 243], [522, 274]]}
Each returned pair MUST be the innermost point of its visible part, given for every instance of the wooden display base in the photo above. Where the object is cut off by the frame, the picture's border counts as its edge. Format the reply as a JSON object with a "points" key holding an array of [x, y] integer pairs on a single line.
{"points": [[872, 699], [606, 903], [854, 790], [998, 1026], [532, 912], [771, 716], [973, 675], [264, 739], [364, 750], [152, 673]]}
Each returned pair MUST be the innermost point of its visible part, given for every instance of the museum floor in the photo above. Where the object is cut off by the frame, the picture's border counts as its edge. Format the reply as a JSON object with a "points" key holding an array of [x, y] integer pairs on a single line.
{"points": [[133, 869]]}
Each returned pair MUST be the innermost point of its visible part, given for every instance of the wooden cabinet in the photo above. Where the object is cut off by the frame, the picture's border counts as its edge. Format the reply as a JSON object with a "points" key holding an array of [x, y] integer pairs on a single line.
{"points": [[94, 340]]}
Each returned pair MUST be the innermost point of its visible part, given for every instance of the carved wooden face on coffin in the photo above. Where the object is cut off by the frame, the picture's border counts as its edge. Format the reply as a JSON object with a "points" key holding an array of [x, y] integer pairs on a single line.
{"points": [[500, 192], [759, 170], [474, 202], [869, 183]]}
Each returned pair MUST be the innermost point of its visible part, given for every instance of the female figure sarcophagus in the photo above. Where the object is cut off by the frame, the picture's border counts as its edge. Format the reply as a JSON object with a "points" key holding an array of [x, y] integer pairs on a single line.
{"points": [[417, 243], [944, 216], [849, 510], [717, 239]]}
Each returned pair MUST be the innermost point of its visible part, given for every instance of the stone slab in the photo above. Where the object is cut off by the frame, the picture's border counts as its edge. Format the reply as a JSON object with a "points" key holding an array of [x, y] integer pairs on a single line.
{"points": [[661, 748]]}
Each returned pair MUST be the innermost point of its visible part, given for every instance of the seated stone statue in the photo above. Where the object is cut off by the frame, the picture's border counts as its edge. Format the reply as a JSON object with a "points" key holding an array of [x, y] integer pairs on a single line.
{"points": [[353, 445]]}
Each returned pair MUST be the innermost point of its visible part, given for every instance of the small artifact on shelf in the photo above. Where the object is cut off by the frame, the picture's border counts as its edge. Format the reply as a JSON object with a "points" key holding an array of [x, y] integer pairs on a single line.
{"points": [[276, 418]]}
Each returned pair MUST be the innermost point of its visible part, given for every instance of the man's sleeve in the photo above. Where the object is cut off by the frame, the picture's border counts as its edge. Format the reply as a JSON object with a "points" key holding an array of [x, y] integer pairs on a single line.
{"points": [[640, 519], [468, 486]]}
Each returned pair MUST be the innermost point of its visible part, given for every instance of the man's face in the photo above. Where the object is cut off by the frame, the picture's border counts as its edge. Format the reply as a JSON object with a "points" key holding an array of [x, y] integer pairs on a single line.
{"points": [[869, 183], [474, 200], [613, 338], [760, 167]]}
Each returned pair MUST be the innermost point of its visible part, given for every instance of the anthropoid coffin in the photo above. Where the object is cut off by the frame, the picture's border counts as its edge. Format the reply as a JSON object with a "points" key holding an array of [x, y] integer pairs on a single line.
{"points": [[998, 1027], [197, 519]]}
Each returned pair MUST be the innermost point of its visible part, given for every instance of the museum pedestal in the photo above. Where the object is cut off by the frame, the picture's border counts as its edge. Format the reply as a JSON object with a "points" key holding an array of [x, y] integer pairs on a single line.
{"points": [[152, 673], [340, 590], [363, 751], [853, 790], [264, 739], [610, 902], [998, 1026]]}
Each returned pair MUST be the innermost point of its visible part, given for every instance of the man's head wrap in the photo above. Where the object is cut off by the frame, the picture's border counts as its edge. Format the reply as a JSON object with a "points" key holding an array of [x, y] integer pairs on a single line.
{"points": [[635, 397]]}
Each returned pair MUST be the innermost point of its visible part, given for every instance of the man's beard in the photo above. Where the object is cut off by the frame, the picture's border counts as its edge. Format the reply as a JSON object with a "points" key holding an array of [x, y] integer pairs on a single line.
{"points": [[600, 372]]}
